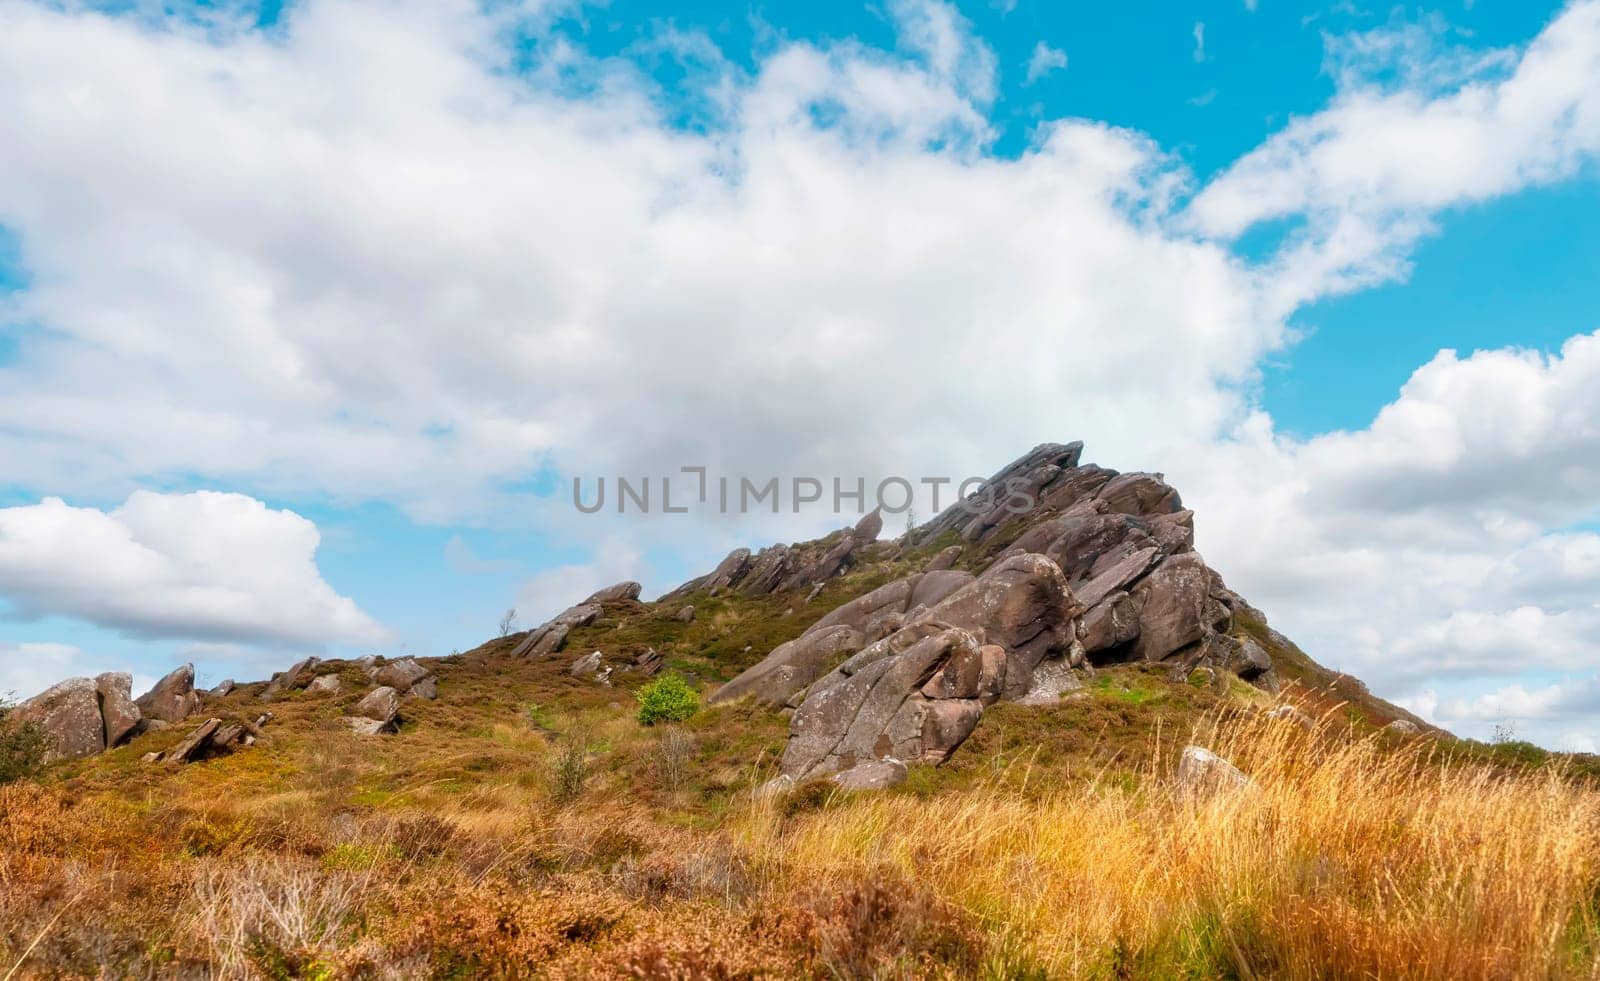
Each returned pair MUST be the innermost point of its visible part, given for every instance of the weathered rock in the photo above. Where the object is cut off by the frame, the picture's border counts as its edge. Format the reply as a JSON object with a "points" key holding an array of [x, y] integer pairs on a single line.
{"points": [[426, 688], [401, 674], [1288, 713], [1250, 661], [1173, 612], [730, 570], [1051, 680], [649, 662], [872, 706], [792, 666], [173, 698], [766, 571], [68, 716], [588, 666], [381, 705], [932, 587], [869, 527], [118, 711], [615, 593], [224, 690], [1113, 622], [1140, 493], [871, 775], [1202, 773], [944, 560], [891, 597], [194, 745], [550, 637], [1401, 727], [324, 684], [367, 727], [685, 615], [1021, 603], [298, 676]]}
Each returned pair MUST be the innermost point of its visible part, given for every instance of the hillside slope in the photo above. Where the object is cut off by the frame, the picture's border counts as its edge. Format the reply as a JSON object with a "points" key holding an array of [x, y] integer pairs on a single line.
{"points": [[513, 816]]}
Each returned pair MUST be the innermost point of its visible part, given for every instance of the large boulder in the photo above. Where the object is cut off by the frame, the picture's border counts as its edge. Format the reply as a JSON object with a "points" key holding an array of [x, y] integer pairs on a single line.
{"points": [[872, 775], [118, 711], [793, 666], [68, 715], [876, 705], [378, 711], [1174, 611], [1021, 603], [944, 560], [402, 674], [615, 593], [298, 676], [869, 527], [552, 635], [1202, 773], [173, 698]]}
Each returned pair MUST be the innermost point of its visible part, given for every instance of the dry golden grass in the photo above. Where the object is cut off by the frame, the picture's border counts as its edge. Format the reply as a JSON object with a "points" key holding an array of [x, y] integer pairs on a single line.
{"points": [[456, 849]]}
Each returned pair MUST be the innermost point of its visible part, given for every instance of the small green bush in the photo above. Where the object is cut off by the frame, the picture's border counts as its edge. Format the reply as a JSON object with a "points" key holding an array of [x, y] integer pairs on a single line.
{"points": [[22, 747], [667, 699]]}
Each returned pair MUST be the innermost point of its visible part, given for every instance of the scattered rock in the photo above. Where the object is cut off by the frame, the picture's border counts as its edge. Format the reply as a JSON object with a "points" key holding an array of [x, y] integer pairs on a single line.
{"points": [[223, 690], [649, 663], [193, 745], [324, 684], [401, 674], [1401, 727], [1289, 713], [611, 594], [173, 698], [1202, 773], [685, 615], [426, 688], [298, 676], [587, 666], [381, 706], [871, 775]]}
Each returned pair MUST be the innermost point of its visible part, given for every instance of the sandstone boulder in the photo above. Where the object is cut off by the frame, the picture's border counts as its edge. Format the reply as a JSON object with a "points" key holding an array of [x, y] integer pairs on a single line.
{"points": [[401, 674], [685, 615], [869, 527], [615, 593], [1202, 773], [945, 559], [1173, 607], [324, 684], [68, 715], [118, 710], [298, 676], [380, 706], [792, 666], [173, 698], [1140, 493], [871, 775]]}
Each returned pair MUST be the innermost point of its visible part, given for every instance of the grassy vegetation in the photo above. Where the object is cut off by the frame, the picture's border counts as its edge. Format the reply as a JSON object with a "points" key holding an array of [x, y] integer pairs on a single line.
{"points": [[527, 824]]}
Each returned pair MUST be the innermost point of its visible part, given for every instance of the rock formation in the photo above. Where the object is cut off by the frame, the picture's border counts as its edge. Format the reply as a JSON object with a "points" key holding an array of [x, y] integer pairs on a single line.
{"points": [[173, 698], [1100, 568], [82, 716]]}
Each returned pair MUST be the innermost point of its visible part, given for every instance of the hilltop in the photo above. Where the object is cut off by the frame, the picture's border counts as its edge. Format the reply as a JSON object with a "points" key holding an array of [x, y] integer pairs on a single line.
{"points": [[959, 752]]}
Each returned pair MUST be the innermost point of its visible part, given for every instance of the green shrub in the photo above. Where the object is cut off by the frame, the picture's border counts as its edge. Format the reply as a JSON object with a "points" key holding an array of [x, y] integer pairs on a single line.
{"points": [[22, 747], [667, 699]]}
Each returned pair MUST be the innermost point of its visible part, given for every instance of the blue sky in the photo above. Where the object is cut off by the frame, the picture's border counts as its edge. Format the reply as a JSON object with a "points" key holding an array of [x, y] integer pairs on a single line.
{"points": [[384, 279]]}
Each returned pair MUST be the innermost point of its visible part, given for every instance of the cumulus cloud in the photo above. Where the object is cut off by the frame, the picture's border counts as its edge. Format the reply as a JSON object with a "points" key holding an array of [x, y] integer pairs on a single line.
{"points": [[30, 667], [360, 256], [1043, 61], [1442, 543], [205, 565], [1417, 126]]}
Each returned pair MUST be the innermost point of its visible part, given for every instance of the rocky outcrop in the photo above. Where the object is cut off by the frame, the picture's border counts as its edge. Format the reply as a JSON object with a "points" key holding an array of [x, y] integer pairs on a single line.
{"points": [[793, 666], [1085, 566], [173, 698], [545, 640], [869, 527], [615, 593], [298, 676], [407, 676], [325, 684], [82, 716]]}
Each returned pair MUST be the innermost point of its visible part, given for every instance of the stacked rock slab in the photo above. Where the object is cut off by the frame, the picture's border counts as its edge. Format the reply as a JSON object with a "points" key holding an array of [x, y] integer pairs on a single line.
{"points": [[1100, 568], [550, 637]]}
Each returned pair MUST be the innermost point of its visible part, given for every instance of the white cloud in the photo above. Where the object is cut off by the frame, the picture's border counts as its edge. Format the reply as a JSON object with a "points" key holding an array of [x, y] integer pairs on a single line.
{"points": [[1417, 127], [1043, 61], [203, 566], [359, 259], [1199, 41], [1436, 545]]}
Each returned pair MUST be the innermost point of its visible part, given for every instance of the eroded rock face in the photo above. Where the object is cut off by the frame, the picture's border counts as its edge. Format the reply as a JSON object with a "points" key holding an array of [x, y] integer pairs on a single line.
{"points": [[173, 698], [298, 676], [550, 637], [378, 711], [402, 674], [793, 666]]}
